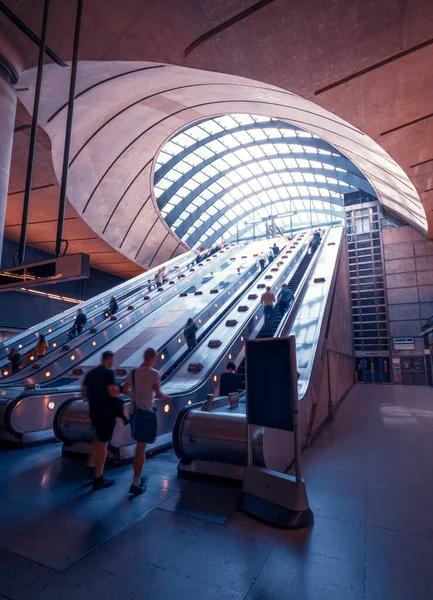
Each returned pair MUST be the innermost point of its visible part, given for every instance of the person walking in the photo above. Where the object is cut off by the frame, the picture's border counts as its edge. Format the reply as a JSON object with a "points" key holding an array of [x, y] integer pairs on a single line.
{"points": [[79, 324], [314, 242], [113, 306], [141, 385], [275, 249], [268, 301], [102, 392], [285, 298], [229, 381], [158, 278], [16, 360], [190, 334], [262, 261], [42, 346]]}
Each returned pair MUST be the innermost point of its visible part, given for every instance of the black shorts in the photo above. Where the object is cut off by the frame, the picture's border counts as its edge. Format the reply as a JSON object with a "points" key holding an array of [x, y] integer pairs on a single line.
{"points": [[104, 427]]}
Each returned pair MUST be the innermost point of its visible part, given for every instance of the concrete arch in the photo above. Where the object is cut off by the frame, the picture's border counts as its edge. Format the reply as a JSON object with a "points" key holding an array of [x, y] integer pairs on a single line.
{"points": [[120, 126]]}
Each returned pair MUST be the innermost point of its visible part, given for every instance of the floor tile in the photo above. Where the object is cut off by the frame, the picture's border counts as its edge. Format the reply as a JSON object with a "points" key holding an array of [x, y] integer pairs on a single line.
{"points": [[16, 572], [384, 584], [399, 552], [102, 575], [194, 548], [209, 501], [308, 577], [163, 584], [404, 507], [333, 538]]}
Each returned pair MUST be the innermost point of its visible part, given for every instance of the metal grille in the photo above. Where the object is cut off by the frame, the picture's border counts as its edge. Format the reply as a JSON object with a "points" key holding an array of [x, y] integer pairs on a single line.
{"points": [[370, 327]]}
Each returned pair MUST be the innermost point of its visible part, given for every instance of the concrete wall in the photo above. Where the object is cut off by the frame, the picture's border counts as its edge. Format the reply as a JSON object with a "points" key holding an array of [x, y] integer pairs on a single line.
{"points": [[408, 259], [338, 366]]}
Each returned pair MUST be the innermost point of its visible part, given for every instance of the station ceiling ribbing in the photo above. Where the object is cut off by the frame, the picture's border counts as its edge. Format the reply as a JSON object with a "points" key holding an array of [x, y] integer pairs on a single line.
{"points": [[220, 177]]}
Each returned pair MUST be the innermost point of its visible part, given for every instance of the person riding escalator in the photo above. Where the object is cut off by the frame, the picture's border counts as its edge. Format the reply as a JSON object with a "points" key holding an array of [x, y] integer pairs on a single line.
{"points": [[190, 334], [315, 240]]}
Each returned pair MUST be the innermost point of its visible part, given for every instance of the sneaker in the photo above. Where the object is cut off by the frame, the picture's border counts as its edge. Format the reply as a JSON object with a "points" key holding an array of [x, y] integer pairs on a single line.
{"points": [[136, 490], [102, 482]]}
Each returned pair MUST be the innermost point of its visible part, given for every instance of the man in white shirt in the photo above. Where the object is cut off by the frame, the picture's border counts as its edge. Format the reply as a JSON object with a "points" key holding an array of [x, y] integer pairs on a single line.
{"points": [[146, 383], [261, 261]]}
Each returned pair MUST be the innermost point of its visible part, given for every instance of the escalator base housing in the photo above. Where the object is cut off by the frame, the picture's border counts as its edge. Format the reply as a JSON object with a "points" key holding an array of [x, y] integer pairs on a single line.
{"points": [[275, 498]]}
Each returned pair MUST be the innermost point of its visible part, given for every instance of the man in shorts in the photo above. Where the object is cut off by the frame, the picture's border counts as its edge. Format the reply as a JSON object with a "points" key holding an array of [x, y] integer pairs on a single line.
{"points": [[102, 391], [146, 384]]}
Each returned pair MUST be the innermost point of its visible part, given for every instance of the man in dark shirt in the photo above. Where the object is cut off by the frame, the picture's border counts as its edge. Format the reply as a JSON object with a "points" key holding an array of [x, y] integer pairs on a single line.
{"points": [[230, 381], [102, 390], [80, 321], [190, 333], [79, 324], [16, 360], [275, 249]]}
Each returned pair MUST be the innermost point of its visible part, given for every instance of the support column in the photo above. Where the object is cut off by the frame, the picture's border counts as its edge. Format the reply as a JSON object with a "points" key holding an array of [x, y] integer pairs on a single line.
{"points": [[8, 103]]}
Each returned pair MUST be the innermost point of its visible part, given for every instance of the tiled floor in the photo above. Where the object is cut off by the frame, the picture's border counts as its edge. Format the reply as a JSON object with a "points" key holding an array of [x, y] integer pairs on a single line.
{"points": [[370, 483]]}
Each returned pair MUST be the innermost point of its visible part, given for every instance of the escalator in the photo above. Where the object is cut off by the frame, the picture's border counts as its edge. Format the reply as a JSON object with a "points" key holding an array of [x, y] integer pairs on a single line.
{"points": [[95, 309], [210, 439], [269, 328], [57, 365], [196, 376], [29, 417]]}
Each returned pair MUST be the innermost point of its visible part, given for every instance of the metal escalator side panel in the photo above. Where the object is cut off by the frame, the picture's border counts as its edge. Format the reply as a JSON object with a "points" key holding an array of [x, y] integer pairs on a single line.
{"points": [[178, 424], [245, 327], [32, 331], [287, 321], [62, 364], [57, 426], [31, 416], [206, 448], [232, 293], [312, 330]]}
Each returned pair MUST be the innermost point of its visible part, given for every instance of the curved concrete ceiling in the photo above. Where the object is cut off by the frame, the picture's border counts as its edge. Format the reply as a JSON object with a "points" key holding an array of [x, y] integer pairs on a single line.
{"points": [[125, 112]]}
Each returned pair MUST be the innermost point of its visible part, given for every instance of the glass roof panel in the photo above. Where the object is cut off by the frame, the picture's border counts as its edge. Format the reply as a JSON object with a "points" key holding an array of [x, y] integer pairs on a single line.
{"points": [[230, 165]]}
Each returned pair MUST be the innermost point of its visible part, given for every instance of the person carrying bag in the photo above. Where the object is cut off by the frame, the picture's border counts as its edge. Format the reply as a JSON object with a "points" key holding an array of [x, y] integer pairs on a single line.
{"points": [[141, 384], [144, 423]]}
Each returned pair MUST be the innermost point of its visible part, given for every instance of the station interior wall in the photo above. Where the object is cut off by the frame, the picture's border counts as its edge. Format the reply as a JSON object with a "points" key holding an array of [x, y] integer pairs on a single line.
{"points": [[408, 261], [20, 310]]}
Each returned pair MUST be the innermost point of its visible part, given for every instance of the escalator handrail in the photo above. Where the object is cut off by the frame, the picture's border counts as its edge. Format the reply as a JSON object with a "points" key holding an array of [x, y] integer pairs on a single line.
{"points": [[58, 415], [103, 295], [177, 429], [60, 328], [213, 322], [198, 384], [288, 319], [79, 341]]}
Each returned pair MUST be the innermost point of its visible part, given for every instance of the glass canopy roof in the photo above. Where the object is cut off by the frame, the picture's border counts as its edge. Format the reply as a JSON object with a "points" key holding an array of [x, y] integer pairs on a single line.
{"points": [[225, 178]]}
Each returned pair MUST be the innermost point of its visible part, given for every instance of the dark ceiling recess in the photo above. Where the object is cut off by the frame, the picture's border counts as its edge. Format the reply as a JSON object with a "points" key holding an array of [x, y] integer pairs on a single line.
{"points": [[239, 17], [29, 33], [408, 124], [382, 63]]}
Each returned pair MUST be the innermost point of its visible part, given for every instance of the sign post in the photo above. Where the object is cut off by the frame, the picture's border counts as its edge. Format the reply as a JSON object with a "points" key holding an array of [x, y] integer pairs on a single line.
{"points": [[272, 402]]}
